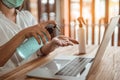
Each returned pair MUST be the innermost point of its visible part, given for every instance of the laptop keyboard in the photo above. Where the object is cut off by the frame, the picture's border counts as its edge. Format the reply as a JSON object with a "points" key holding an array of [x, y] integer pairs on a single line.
{"points": [[76, 66]]}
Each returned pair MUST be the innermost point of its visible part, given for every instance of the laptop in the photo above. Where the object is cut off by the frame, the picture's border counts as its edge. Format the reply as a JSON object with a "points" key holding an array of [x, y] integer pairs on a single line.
{"points": [[74, 67]]}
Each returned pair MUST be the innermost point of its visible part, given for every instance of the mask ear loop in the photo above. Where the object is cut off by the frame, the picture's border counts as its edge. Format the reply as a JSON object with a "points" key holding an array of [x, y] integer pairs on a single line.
{"points": [[23, 5]]}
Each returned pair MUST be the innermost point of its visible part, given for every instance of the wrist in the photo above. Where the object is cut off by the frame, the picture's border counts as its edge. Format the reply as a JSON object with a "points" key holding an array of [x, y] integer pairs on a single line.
{"points": [[22, 34], [42, 52], [48, 47]]}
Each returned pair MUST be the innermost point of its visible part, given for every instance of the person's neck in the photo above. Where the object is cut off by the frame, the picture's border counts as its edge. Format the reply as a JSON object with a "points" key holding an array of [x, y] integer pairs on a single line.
{"points": [[9, 13]]}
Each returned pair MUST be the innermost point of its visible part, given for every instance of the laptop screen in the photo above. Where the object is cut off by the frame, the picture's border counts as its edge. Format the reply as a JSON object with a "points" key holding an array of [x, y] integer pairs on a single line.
{"points": [[108, 34]]}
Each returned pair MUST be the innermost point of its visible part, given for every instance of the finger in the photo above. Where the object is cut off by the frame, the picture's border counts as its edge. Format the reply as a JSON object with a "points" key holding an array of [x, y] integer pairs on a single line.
{"points": [[46, 33], [74, 41], [36, 37], [66, 38], [64, 43], [59, 43], [67, 43], [61, 37], [42, 36], [70, 43]]}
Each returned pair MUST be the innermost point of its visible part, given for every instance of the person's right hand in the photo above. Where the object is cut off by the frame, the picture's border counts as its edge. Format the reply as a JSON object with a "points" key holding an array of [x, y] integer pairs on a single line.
{"points": [[38, 30]]}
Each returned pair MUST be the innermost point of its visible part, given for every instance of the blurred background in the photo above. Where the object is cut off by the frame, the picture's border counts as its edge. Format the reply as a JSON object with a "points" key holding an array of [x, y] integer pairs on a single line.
{"points": [[96, 13]]}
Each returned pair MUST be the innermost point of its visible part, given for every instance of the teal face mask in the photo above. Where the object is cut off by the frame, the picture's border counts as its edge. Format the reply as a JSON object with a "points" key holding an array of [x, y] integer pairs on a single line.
{"points": [[13, 3]]}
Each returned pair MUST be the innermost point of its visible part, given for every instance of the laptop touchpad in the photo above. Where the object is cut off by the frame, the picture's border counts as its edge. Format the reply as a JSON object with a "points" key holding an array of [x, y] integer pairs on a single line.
{"points": [[49, 69]]}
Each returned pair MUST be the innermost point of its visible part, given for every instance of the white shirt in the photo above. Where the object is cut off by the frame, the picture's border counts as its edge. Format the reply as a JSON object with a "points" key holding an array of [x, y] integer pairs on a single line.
{"points": [[8, 29]]}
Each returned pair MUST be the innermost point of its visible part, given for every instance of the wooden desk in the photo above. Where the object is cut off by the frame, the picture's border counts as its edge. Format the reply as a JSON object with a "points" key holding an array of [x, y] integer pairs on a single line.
{"points": [[109, 67]]}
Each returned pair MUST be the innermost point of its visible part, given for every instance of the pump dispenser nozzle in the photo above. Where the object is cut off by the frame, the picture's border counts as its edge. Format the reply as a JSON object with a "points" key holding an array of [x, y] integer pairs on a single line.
{"points": [[81, 21]]}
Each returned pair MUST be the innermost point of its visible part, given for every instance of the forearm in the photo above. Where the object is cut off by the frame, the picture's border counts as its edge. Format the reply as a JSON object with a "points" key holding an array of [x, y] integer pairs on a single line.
{"points": [[8, 49]]}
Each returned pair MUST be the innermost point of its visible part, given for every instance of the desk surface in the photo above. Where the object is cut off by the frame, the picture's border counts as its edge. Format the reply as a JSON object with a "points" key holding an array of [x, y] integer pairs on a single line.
{"points": [[109, 67]]}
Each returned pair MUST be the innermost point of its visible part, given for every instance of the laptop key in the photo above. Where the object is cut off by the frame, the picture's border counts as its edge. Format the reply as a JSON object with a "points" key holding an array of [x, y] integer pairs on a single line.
{"points": [[68, 67], [74, 67]]}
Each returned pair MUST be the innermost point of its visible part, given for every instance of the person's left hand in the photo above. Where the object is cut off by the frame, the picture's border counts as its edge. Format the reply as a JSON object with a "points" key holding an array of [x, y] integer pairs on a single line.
{"points": [[63, 41], [56, 42]]}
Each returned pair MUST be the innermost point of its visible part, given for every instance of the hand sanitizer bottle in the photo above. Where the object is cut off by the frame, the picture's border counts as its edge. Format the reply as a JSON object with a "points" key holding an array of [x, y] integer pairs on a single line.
{"points": [[81, 36], [28, 47]]}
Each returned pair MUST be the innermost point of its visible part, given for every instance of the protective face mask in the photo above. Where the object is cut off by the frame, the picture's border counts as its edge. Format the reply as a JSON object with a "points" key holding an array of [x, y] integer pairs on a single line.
{"points": [[28, 47], [13, 3]]}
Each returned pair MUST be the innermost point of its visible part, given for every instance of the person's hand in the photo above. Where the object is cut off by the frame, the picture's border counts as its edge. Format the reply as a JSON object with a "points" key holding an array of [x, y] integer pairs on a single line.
{"points": [[63, 41], [56, 42], [38, 31]]}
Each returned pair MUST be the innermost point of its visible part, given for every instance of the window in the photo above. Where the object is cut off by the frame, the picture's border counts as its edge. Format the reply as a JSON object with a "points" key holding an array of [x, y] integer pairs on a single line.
{"points": [[97, 14]]}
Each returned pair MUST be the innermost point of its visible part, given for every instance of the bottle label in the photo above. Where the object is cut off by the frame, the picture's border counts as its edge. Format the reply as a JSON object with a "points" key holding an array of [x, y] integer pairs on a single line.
{"points": [[29, 47]]}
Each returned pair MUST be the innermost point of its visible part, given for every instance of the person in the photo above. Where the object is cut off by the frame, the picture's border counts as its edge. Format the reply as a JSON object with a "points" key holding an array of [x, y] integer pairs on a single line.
{"points": [[17, 26]]}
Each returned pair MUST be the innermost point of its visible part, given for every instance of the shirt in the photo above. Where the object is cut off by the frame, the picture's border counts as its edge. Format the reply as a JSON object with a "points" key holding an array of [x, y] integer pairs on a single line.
{"points": [[8, 29]]}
